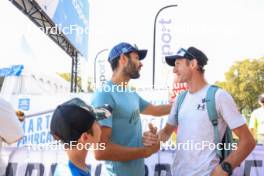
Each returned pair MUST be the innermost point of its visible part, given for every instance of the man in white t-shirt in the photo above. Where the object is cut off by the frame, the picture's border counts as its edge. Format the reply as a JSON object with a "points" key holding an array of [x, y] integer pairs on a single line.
{"points": [[10, 129], [194, 125], [256, 123]]}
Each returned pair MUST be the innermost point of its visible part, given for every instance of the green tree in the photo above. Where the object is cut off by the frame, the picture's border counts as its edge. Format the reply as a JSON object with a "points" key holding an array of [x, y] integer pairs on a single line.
{"points": [[67, 77], [245, 82], [90, 86]]}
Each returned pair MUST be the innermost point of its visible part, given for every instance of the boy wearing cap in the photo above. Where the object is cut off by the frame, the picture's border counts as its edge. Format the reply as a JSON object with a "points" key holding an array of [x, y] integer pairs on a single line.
{"points": [[74, 123], [256, 123], [122, 132], [194, 125], [10, 128]]}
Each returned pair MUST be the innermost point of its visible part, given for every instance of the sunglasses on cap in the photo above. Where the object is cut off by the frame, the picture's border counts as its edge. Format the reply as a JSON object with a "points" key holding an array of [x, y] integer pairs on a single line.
{"points": [[182, 52]]}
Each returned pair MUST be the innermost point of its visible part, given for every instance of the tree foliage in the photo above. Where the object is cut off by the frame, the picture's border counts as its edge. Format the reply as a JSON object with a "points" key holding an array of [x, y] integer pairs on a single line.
{"points": [[245, 82], [67, 77]]}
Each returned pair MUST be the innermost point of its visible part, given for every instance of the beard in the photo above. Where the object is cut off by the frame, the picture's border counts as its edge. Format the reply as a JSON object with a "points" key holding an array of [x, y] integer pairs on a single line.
{"points": [[134, 75], [131, 70]]}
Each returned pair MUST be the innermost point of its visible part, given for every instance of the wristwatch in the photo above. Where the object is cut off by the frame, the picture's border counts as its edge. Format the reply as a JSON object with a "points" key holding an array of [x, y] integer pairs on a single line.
{"points": [[227, 167]]}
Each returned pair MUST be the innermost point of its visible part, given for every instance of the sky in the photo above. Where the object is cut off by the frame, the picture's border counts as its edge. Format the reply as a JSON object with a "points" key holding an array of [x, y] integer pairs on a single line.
{"points": [[23, 43], [227, 31]]}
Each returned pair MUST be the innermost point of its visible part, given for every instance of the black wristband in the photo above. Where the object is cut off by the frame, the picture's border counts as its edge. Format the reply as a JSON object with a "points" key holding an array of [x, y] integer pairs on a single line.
{"points": [[227, 167]]}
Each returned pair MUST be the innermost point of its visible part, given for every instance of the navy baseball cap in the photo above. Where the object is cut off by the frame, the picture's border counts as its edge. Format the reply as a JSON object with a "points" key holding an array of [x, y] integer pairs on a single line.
{"points": [[75, 117], [190, 53], [123, 48]]}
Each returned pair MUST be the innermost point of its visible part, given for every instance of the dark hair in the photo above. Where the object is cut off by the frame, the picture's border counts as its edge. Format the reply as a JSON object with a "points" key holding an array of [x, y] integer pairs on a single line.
{"points": [[114, 62], [200, 68], [90, 131]]}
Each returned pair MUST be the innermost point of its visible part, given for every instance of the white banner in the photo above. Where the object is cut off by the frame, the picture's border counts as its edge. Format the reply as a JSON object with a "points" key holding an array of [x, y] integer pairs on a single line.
{"points": [[25, 161], [102, 71], [165, 45]]}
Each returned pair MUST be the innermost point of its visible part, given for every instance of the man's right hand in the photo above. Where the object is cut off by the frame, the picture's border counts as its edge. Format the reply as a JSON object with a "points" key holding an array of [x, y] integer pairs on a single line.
{"points": [[150, 137], [151, 149], [151, 141]]}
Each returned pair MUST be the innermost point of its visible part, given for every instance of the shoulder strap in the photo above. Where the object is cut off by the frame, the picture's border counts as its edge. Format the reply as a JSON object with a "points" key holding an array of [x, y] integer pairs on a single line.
{"points": [[179, 102], [212, 113], [210, 104]]}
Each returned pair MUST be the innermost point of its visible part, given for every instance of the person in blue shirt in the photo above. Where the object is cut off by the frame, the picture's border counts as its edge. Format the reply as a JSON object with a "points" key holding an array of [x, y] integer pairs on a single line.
{"points": [[122, 132], [74, 124]]}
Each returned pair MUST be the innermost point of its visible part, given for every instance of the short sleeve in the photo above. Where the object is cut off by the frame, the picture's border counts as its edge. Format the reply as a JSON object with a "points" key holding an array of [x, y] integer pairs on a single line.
{"points": [[10, 127], [143, 104], [171, 118], [99, 99], [228, 109]]}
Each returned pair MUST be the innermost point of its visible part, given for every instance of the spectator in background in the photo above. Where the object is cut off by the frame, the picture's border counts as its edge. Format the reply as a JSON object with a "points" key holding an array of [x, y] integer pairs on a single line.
{"points": [[256, 123], [10, 128]]}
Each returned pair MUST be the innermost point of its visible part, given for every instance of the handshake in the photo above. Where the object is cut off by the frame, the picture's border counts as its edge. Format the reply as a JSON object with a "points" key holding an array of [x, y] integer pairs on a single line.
{"points": [[151, 141]]}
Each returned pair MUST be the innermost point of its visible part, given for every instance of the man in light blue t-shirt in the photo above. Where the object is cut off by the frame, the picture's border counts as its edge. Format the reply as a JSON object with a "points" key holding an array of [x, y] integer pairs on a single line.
{"points": [[122, 132]]}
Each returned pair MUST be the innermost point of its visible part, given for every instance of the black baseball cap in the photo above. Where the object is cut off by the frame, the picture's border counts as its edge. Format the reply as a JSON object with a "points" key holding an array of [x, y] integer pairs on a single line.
{"points": [[190, 53], [75, 117]]}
